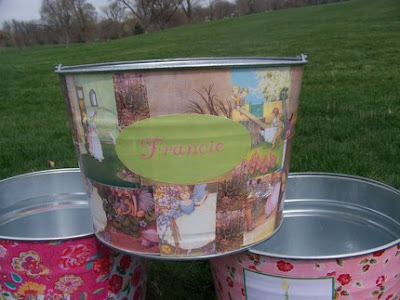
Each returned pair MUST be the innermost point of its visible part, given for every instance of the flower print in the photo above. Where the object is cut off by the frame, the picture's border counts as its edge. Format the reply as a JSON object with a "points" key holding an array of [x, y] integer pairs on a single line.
{"points": [[229, 281], [53, 295], [284, 266], [30, 290], [344, 279], [253, 268], [102, 265], [318, 266], [331, 274], [29, 263], [3, 251], [74, 256], [378, 253], [138, 293], [68, 284], [358, 284], [115, 284], [367, 263], [389, 297], [380, 280], [137, 274], [379, 291], [125, 262], [365, 268], [8, 243], [243, 292], [142, 223]]}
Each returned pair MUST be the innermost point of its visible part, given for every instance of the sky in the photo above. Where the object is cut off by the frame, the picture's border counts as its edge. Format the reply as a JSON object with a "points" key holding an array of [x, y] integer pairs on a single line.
{"points": [[25, 10]]}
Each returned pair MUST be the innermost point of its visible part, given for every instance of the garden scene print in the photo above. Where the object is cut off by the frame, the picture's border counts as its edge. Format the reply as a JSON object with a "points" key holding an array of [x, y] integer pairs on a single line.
{"points": [[95, 126], [125, 217], [218, 215]]}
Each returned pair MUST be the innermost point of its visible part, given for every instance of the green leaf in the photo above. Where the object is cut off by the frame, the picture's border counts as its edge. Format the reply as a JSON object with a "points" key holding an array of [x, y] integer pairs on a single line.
{"points": [[126, 287], [89, 265], [16, 278], [83, 296], [102, 278], [373, 261], [10, 285], [97, 255], [98, 291]]}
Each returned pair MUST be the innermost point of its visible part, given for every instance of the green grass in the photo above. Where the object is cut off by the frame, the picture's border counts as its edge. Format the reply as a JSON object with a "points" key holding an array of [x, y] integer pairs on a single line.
{"points": [[349, 112]]}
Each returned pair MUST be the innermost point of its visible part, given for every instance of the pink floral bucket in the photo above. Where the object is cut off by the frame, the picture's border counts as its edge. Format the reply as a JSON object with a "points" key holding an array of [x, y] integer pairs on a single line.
{"points": [[340, 239], [47, 247], [184, 158]]}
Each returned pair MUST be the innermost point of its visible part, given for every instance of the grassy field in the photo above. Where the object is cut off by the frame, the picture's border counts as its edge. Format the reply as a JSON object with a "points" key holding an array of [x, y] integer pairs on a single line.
{"points": [[349, 114]]}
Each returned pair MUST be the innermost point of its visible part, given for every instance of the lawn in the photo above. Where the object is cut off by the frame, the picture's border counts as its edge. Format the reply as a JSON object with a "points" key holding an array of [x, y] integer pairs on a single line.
{"points": [[349, 113]]}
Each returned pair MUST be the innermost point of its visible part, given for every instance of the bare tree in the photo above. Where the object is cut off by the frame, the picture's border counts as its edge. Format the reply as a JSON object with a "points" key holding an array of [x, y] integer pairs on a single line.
{"points": [[115, 11], [70, 19], [152, 12]]}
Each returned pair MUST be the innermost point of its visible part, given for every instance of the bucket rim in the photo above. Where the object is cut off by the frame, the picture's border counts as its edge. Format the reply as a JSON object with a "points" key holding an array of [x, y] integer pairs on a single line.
{"points": [[183, 63], [335, 256], [89, 234]]}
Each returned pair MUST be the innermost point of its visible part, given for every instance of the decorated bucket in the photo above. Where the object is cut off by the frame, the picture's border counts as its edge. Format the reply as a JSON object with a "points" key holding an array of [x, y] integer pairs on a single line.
{"points": [[340, 240], [47, 246], [184, 158]]}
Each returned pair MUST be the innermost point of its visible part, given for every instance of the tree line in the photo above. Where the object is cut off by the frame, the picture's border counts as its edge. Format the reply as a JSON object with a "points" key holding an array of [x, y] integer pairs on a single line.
{"points": [[78, 21]]}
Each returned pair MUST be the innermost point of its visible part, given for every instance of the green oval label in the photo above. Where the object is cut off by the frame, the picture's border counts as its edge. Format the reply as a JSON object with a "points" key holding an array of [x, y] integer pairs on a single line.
{"points": [[184, 148]]}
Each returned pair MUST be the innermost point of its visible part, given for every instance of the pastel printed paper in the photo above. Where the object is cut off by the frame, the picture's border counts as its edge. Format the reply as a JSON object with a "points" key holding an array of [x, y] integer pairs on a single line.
{"points": [[74, 269], [370, 277], [143, 137]]}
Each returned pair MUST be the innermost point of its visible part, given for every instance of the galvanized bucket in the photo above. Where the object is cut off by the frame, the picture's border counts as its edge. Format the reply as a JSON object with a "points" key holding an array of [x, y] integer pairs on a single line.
{"points": [[47, 246], [184, 158], [340, 239]]}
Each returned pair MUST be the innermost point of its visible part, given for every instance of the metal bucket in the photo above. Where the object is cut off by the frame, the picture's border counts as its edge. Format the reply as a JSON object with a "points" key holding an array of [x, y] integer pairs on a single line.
{"points": [[184, 158], [339, 240], [47, 246]]}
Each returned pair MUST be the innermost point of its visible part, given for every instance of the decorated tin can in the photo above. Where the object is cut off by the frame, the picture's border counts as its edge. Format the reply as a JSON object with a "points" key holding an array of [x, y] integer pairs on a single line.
{"points": [[184, 158], [47, 246], [340, 240]]}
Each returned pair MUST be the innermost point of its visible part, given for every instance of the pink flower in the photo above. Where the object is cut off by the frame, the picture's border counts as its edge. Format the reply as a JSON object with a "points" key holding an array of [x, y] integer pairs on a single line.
{"points": [[331, 274], [125, 262], [102, 265], [115, 284], [137, 293], [344, 279], [380, 280], [74, 256], [284, 266], [137, 274], [68, 284], [252, 268], [378, 253]]}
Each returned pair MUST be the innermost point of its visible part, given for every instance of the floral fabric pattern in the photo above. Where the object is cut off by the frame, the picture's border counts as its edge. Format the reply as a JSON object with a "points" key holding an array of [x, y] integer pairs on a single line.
{"points": [[369, 277], [75, 269]]}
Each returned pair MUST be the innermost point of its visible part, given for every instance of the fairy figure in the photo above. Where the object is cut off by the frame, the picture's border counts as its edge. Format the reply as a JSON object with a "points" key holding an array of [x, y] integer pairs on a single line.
{"points": [[195, 228]]}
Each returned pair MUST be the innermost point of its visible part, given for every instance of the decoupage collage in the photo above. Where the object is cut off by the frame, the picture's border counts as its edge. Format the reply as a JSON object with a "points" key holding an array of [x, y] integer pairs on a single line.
{"points": [[223, 213]]}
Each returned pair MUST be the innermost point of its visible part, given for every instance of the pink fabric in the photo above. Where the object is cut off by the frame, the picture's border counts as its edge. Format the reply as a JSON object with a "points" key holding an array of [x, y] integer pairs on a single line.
{"points": [[74, 269], [374, 276]]}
